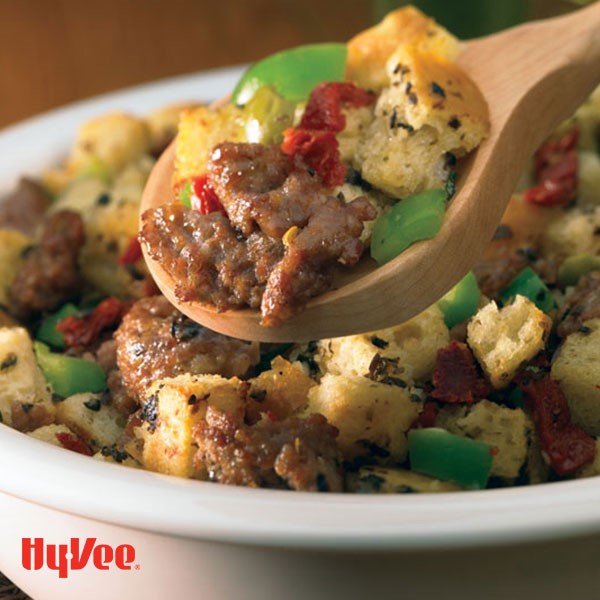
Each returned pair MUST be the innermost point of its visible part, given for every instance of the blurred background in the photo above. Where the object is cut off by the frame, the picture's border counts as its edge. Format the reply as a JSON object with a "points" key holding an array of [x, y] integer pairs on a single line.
{"points": [[57, 51]]}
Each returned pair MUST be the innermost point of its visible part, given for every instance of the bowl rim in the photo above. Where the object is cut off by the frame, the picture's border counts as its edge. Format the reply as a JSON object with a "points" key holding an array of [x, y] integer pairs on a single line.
{"points": [[38, 472]]}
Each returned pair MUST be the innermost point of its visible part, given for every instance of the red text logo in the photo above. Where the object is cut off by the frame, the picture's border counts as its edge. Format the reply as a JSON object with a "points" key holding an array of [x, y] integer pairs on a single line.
{"points": [[35, 553]]}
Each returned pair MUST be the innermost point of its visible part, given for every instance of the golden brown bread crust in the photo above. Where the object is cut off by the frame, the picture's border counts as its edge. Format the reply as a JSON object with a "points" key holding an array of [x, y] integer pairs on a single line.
{"points": [[369, 51]]}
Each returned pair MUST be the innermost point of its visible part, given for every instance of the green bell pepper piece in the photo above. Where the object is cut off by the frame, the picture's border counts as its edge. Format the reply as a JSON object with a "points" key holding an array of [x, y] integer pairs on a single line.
{"points": [[185, 194], [266, 116], [461, 302], [47, 332], [443, 455], [69, 375], [527, 283], [416, 218], [294, 72], [575, 267]]}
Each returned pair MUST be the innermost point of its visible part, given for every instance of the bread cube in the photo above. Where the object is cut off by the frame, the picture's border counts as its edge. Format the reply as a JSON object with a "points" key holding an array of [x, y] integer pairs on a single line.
{"points": [[404, 149], [172, 408], [505, 429], [47, 434], [386, 480], [22, 384], [96, 423], [413, 346], [576, 368], [370, 50], [503, 339], [573, 234], [372, 417]]}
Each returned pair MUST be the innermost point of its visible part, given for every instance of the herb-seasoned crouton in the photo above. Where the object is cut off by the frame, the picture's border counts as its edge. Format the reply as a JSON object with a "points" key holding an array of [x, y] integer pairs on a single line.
{"points": [[503, 339], [577, 370], [385, 480], [372, 417], [573, 234], [505, 429], [25, 398], [411, 346], [12, 244], [171, 410]]}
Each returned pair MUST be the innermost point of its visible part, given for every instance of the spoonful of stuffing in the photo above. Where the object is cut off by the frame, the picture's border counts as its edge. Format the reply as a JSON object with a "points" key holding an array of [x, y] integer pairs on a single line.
{"points": [[344, 188]]}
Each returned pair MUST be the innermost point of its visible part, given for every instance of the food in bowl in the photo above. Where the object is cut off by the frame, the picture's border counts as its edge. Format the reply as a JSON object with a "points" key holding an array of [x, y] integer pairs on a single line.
{"points": [[322, 152], [497, 384]]}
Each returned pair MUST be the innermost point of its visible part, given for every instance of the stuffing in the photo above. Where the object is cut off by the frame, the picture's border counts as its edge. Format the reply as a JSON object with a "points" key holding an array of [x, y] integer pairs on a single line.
{"points": [[589, 179], [372, 417], [162, 124], [357, 122], [25, 398], [370, 50], [587, 120], [503, 339], [48, 434], [95, 422], [170, 411], [385, 480], [12, 245], [281, 391], [200, 130], [431, 110], [573, 234], [505, 429], [576, 369], [412, 346]]}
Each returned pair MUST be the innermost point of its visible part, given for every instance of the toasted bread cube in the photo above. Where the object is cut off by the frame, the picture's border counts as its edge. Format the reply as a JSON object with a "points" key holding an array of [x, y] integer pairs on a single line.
{"points": [[281, 391], [372, 417], [163, 123], [413, 346], [12, 244], [386, 480], [403, 150], [505, 429], [576, 368], [200, 130], [177, 405], [370, 50], [21, 380], [572, 234], [503, 339], [108, 143], [96, 423]]}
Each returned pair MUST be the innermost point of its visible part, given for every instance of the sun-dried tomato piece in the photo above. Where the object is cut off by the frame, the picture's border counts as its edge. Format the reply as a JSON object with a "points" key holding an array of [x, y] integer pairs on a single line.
{"points": [[426, 417], [455, 377], [567, 445], [73, 443], [80, 333], [556, 168], [319, 150], [324, 108], [132, 253], [204, 198]]}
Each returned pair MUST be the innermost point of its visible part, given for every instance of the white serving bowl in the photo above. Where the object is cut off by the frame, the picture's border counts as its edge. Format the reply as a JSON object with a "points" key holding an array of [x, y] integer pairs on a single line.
{"points": [[212, 542]]}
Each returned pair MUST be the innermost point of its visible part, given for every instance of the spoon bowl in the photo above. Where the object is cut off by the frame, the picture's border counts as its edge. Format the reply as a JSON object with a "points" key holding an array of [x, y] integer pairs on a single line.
{"points": [[532, 77]]}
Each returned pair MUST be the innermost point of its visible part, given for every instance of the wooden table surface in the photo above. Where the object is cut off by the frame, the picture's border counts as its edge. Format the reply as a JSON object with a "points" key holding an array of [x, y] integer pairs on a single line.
{"points": [[56, 51]]}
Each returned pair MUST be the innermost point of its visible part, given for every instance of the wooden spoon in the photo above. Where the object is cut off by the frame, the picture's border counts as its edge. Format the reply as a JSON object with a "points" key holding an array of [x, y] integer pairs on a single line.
{"points": [[532, 77]]}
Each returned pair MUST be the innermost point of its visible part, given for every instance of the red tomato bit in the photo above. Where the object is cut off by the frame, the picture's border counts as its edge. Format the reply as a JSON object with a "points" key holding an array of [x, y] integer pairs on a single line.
{"points": [[132, 253], [81, 332], [555, 171], [426, 417], [73, 443], [324, 108], [567, 445], [455, 377], [319, 150], [204, 198]]}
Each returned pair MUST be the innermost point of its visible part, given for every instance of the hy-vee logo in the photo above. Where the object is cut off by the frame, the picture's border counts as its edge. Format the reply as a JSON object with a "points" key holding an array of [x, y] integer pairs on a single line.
{"points": [[63, 558]]}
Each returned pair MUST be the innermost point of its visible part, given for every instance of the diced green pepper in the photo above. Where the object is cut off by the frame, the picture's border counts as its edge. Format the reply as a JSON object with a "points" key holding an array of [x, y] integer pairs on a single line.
{"points": [[575, 267], [527, 283], [185, 194], [266, 116], [443, 455], [69, 375], [461, 302], [416, 218], [47, 332], [294, 72]]}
